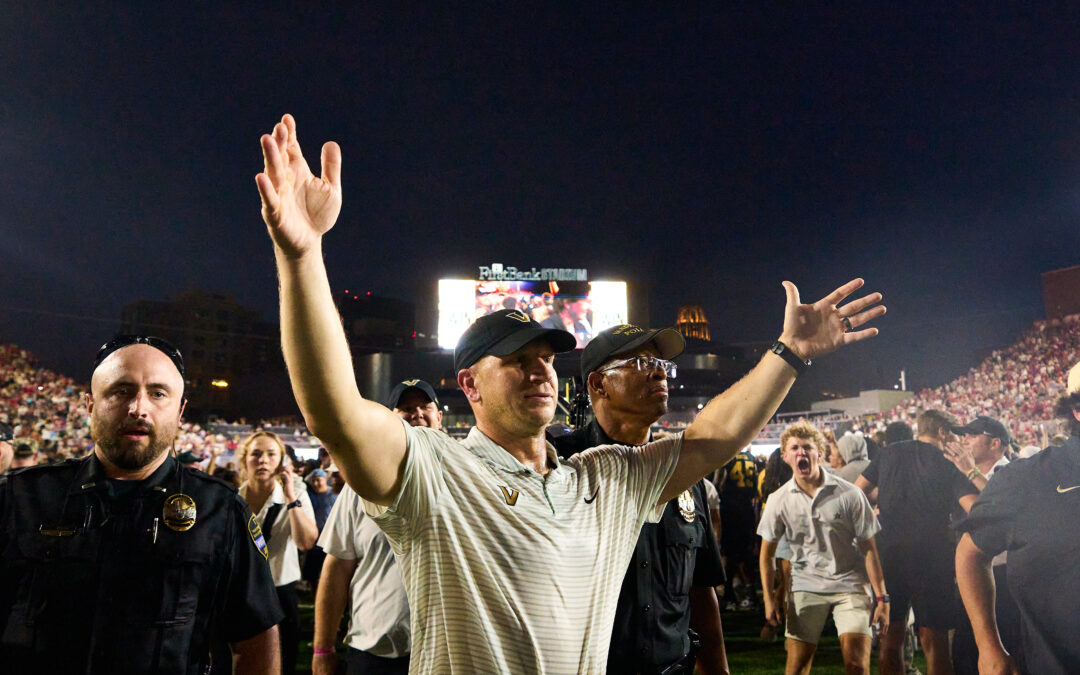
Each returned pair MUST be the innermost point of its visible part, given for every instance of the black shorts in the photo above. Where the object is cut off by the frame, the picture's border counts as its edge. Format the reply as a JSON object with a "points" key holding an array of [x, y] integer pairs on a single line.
{"points": [[921, 582]]}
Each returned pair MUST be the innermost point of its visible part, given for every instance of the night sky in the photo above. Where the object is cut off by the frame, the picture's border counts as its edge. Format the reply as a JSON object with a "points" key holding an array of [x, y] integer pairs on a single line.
{"points": [[706, 152]]}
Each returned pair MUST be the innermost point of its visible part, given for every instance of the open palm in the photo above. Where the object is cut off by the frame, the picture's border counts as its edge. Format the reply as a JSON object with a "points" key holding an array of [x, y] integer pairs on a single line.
{"points": [[813, 330], [298, 206]]}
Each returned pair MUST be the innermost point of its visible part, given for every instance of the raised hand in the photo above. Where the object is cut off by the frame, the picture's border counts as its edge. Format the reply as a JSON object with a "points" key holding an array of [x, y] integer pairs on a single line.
{"points": [[298, 206], [960, 456], [824, 326]]}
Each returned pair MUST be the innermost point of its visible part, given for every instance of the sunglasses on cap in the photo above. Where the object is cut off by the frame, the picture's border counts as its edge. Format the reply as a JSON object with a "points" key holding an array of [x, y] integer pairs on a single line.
{"points": [[160, 344]]}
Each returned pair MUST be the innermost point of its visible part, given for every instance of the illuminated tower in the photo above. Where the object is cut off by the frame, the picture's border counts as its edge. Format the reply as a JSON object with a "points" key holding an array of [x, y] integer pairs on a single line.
{"points": [[692, 322]]}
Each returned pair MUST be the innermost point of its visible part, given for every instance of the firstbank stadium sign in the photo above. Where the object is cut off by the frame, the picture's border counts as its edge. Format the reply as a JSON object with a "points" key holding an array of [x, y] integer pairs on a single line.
{"points": [[497, 272]]}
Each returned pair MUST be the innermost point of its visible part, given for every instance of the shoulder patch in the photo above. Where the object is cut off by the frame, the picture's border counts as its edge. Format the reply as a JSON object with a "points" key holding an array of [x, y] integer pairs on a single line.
{"points": [[257, 536]]}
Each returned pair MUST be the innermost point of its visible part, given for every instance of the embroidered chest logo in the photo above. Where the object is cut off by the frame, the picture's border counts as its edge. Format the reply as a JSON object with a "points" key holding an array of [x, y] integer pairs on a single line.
{"points": [[509, 495], [686, 506], [1064, 490]]}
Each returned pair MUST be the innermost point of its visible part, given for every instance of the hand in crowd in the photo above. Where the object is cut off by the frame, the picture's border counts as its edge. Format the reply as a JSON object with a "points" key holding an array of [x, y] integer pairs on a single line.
{"points": [[288, 486], [773, 616], [960, 456], [816, 329], [298, 206], [996, 663], [881, 617]]}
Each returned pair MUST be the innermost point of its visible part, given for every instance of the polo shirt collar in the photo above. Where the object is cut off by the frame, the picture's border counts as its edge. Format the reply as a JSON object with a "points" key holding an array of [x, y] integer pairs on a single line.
{"points": [[495, 456]]}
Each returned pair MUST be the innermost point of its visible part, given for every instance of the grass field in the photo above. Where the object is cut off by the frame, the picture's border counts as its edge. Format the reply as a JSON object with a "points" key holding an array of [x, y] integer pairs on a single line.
{"points": [[748, 654]]}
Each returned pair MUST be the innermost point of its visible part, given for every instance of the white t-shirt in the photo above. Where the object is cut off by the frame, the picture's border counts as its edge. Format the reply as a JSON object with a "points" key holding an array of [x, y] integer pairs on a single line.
{"points": [[283, 557], [380, 609], [823, 533], [509, 571]]}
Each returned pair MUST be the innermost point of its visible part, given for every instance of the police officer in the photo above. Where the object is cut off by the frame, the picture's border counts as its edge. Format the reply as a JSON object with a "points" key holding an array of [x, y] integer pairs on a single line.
{"points": [[668, 587], [123, 561]]}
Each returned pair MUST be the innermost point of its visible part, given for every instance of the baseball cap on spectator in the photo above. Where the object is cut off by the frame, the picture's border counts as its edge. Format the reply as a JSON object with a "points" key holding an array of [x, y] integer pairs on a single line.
{"points": [[317, 473], [984, 425], [405, 385], [504, 332], [626, 338], [23, 450], [187, 458], [5, 433]]}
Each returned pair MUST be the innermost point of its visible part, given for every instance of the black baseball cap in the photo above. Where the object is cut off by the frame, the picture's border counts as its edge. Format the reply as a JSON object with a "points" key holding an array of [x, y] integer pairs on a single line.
{"points": [[23, 450], [984, 425], [626, 338], [405, 385], [6, 433], [504, 332]]}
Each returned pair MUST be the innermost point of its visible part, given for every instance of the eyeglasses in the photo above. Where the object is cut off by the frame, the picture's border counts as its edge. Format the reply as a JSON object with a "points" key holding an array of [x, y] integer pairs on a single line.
{"points": [[160, 344], [647, 364]]}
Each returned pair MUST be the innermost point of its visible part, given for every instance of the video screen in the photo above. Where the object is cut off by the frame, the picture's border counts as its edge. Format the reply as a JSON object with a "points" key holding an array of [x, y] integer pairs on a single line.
{"points": [[581, 307]]}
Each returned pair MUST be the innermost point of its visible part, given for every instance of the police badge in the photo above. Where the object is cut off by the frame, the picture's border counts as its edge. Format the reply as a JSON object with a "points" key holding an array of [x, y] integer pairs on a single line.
{"points": [[179, 512], [687, 507]]}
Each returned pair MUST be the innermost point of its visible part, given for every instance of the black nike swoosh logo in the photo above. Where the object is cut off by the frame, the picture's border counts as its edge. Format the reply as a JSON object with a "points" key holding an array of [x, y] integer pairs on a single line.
{"points": [[590, 500]]}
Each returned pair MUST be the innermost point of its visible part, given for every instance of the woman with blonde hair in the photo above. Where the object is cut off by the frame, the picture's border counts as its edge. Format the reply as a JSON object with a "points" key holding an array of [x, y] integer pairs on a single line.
{"points": [[287, 519]]}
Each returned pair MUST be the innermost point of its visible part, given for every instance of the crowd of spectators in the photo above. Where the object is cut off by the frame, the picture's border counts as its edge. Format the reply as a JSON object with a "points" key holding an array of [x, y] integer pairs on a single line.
{"points": [[1017, 385]]}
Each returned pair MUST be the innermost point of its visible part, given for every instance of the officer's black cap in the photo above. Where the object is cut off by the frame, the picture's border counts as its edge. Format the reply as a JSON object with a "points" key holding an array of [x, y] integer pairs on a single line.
{"points": [[504, 332], [405, 385], [160, 344], [626, 338]]}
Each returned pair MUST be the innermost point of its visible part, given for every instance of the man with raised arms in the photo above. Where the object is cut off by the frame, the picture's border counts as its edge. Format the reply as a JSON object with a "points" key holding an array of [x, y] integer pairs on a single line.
{"points": [[511, 557]]}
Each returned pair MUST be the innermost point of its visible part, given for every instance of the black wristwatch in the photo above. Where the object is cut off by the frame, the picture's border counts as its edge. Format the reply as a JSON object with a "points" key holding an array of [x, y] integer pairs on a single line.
{"points": [[293, 504], [784, 352]]}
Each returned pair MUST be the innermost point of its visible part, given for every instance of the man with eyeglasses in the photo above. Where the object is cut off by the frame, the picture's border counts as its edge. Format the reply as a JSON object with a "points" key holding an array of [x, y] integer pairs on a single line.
{"points": [[667, 616], [124, 561], [512, 558]]}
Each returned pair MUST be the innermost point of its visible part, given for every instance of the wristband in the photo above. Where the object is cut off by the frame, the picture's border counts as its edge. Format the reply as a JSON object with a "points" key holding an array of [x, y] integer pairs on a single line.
{"points": [[317, 651], [793, 360], [293, 504], [883, 598], [974, 473]]}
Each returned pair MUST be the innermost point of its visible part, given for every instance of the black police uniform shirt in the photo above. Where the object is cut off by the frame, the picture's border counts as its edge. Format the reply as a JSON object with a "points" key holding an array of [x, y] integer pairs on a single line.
{"points": [[1032, 509], [99, 576], [652, 618]]}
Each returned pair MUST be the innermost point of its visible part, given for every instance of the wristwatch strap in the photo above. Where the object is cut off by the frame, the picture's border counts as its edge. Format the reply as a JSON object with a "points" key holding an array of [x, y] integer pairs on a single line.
{"points": [[784, 352]]}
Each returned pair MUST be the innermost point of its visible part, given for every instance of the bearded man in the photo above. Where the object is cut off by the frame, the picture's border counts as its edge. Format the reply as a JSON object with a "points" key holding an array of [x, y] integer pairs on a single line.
{"points": [[124, 561]]}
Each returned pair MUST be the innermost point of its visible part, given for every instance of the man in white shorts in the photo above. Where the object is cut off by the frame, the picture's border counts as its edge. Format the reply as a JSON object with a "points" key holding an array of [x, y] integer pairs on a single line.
{"points": [[512, 558], [830, 527]]}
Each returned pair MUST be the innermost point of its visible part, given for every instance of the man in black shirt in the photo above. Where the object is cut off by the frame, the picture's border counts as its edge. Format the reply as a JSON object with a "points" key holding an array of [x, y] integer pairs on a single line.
{"points": [[668, 587], [124, 561], [1029, 510], [916, 488]]}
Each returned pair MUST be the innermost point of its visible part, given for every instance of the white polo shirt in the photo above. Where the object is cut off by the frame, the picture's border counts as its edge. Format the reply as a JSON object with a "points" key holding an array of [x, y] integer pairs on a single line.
{"points": [[823, 533], [509, 571], [380, 609], [283, 556]]}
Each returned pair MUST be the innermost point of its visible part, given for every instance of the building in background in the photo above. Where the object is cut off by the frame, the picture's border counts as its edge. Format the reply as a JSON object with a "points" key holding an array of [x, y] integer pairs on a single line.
{"points": [[692, 322]]}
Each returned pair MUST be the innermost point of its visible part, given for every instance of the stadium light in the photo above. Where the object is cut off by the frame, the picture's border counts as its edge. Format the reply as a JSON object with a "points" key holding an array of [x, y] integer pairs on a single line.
{"points": [[220, 384]]}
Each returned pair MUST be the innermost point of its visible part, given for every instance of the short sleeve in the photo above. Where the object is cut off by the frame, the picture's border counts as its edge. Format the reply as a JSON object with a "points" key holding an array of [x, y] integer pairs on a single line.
{"points": [[771, 527], [251, 604], [864, 520], [870, 473], [959, 484], [991, 518], [708, 568], [421, 484], [338, 537], [649, 468]]}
